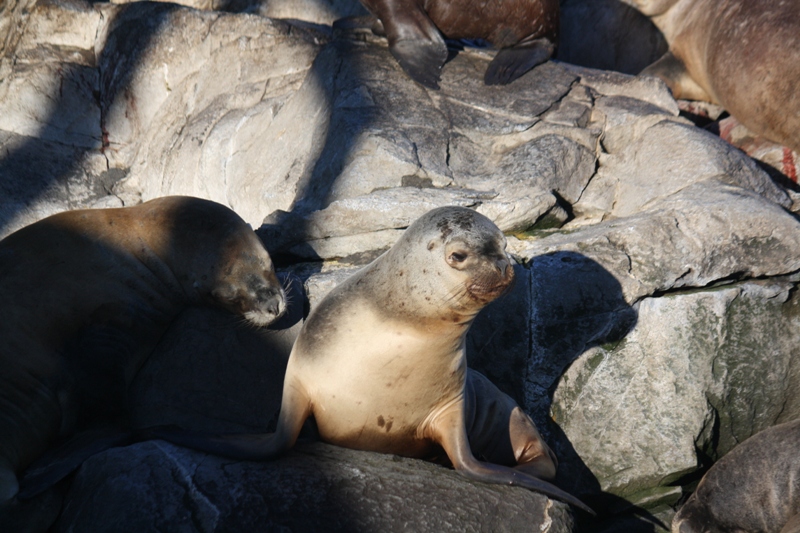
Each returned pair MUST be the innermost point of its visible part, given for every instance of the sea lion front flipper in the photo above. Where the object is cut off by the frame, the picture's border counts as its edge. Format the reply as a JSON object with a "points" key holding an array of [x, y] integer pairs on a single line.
{"points": [[672, 70], [450, 433], [511, 63], [60, 462], [295, 409], [414, 40]]}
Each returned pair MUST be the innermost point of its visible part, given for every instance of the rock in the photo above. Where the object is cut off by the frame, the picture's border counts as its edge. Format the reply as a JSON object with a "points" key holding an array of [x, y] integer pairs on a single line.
{"points": [[315, 487], [202, 108], [746, 237], [695, 390]]}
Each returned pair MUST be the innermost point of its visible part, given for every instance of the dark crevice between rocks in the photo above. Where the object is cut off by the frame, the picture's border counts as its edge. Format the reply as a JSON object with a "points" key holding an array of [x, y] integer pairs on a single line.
{"points": [[733, 280]]}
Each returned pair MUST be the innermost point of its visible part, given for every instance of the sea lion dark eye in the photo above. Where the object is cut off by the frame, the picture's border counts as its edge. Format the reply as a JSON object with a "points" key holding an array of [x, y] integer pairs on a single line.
{"points": [[458, 257]]}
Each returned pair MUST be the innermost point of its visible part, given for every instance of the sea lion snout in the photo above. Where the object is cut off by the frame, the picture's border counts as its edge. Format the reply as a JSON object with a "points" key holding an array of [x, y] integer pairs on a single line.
{"points": [[259, 298], [272, 300]]}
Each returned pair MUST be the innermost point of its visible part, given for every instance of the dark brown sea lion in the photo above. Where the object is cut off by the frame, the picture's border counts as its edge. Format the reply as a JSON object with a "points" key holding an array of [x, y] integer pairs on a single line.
{"points": [[84, 297], [753, 489], [380, 365], [524, 31], [740, 54]]}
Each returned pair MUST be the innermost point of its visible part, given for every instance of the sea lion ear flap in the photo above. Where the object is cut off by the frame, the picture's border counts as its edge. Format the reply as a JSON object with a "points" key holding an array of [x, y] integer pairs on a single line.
{"points": [[433, 244]]}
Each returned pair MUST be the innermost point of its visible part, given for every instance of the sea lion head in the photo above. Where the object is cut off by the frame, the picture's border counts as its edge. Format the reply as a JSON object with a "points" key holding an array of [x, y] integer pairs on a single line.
{"points": [[460, 262], [220, 260], [246, 283]]}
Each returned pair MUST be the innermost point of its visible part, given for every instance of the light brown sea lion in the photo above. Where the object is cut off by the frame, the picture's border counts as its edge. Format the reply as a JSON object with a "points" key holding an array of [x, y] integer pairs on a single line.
{"points": [[380, 365], [84, 297], [524, 31], [740, 54], [753, 489]]}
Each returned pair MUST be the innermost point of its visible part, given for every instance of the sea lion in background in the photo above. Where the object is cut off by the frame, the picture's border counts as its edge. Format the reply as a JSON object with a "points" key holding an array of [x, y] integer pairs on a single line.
{"points": [[754, 488], [524, 31], [380, 364], [85, 296], [740, 54]]}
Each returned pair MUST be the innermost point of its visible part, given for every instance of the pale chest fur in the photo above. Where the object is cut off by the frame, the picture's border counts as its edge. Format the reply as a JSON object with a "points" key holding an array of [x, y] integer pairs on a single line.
{"points": [[380, 388]]}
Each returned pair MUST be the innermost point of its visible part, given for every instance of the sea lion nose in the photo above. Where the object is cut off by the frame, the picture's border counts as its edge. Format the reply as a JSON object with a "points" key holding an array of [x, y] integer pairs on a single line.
{"points": [[275, 306], [502, 265], [272, 300]]}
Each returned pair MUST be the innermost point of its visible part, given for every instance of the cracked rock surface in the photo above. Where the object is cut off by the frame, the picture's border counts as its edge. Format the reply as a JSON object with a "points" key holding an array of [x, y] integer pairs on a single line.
{"points": [[653, 326]]}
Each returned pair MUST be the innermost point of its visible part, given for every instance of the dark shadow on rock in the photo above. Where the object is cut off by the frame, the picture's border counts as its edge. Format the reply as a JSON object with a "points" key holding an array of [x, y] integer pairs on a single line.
{"points": [[608, 35], [498, 343], [569, 303], [49, 165], [576, 305]]}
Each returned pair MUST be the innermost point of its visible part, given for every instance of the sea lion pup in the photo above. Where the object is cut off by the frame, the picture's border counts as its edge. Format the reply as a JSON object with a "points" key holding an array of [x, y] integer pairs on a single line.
{"points": [[524, 31], [740, 54], [380, 362], [754, 488], [85, 296]]}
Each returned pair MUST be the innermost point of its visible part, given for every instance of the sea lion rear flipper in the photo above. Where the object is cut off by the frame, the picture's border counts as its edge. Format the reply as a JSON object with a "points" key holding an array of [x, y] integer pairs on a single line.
{"points": [[452, 436], [60, 462], [414, 40], [672, 70], [511, 63]]}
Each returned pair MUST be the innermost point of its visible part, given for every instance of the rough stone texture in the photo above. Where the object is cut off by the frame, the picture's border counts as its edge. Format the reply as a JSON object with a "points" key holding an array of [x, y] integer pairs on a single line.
{"points": [[652, 326], [315, 487], [710, 387]]}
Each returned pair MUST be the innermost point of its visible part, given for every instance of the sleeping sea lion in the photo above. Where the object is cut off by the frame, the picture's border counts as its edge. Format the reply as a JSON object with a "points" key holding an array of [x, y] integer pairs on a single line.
{"points": [[740, 54], [85, 296], [754, 488], [524, 31], [379, 364]]}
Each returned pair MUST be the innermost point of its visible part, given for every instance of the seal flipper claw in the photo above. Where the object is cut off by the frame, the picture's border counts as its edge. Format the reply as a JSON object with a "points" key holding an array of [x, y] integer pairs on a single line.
{"points": [[511, 63], [422, 60]]}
